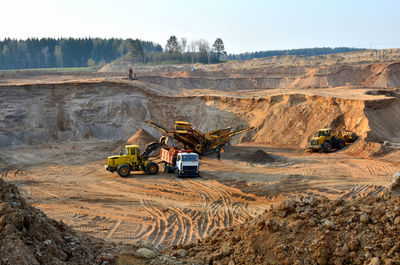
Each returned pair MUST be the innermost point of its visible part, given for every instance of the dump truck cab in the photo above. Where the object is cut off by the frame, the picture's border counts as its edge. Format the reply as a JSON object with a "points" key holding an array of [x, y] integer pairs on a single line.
{"points": [[130, 160], [187, 164]]}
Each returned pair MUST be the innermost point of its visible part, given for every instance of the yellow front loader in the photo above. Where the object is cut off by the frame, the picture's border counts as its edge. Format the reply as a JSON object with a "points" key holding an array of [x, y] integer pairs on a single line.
{"points": [[328, 141], [132, 160]]}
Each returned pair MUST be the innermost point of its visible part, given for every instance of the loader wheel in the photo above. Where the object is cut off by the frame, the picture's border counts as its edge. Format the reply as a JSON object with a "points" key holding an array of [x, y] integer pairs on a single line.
{"points": [[327, 147], [341, 144], [124, 170], [151, 168]]}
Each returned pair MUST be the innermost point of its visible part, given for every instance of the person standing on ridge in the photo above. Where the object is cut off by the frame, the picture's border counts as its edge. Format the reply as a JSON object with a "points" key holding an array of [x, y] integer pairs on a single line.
{"points": [[130, 72]]}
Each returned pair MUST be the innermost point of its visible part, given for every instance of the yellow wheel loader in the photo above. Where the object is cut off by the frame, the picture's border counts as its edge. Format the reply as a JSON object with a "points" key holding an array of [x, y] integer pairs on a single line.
{"points": [[132, 160], [326, 141]]}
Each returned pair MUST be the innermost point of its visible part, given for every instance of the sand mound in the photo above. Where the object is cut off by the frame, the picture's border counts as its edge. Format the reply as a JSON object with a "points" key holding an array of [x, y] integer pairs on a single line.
{"points": [[27, 236], [258, 157], [310, 230], [365, 149], [141, 138]]}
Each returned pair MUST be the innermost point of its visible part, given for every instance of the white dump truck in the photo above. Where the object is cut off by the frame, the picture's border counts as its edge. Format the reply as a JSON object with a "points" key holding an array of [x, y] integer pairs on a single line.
{"points": [[184, 163]]}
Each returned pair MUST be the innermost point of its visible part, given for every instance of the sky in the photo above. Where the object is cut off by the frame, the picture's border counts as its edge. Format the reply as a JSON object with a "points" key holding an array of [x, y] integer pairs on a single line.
{"points": [[243, 25]]}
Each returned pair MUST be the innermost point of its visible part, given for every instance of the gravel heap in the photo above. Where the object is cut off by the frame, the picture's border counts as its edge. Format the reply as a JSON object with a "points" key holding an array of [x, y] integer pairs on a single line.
{"points": [[310, 230], [258, 157]]}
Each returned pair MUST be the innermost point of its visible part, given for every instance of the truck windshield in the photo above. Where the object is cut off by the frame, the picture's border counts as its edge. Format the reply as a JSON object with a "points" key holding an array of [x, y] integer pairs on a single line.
{"points": [[192, 158]]}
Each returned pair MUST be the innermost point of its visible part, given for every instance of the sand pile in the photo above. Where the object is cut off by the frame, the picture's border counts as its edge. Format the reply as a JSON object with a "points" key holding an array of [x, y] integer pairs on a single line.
{"points": [[365, 149], [141, 138], [27, 236], [258, 157], [310, 230]]}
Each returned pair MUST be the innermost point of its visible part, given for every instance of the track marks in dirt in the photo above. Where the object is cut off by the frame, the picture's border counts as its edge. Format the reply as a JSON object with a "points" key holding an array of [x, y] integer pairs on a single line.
{"points": [[368, 169], [158, 232], [11, 171], [113, 229], [224, 202], [362, 191], [165, 221], [160, 210]]}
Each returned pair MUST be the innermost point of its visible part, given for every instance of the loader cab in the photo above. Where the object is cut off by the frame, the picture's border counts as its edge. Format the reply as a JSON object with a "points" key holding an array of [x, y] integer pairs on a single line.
{"points": [[132, 154], [132, 150], [324, 132]]}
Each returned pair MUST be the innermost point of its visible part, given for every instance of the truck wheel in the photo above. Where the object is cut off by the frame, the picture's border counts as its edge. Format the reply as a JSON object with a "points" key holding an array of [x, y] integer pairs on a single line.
{"points": [[151, 168], [124, 170], [176, 171], [327, 147], [166, 167]]}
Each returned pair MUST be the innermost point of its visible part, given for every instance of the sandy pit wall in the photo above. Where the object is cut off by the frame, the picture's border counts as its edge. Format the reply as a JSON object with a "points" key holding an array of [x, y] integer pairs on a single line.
{"points": [[32, 114]]}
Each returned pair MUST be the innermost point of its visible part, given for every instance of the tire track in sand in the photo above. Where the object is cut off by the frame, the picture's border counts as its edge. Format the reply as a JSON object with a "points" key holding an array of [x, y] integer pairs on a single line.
{"points": [[159, 231], [212, 216], [186, 221], [364, 190], [226, 203], [165, 223]]}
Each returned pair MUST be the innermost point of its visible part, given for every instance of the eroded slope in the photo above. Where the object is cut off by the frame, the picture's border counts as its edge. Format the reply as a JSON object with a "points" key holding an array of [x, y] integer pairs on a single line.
{"points": [[33, 114]]}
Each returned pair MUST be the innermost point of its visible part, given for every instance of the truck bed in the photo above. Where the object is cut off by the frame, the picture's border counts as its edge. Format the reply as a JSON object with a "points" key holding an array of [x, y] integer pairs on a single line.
{"points": [[168, 155]]}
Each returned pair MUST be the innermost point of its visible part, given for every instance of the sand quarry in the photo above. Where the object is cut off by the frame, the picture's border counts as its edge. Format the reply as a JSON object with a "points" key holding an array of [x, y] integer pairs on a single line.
{"points": [[57, 129]]}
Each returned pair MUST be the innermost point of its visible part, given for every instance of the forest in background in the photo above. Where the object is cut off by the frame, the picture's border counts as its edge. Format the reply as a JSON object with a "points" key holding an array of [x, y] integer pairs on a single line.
{"points": [[69, 52], [305, 52], [96, 52]]}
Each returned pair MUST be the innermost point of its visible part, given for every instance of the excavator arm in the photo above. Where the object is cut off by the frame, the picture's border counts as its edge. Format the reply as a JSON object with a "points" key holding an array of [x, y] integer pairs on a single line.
{"points": [[241, 131], [158, 127]]}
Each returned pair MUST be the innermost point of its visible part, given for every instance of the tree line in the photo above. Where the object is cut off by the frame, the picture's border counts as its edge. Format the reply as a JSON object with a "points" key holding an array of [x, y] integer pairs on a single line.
{"points": [[80, 52], [178, 51], [306, 52], [66, 52]]}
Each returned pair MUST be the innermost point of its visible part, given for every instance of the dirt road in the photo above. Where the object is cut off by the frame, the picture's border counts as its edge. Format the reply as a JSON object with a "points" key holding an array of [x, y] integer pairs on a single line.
{"points": [[162, 210]]}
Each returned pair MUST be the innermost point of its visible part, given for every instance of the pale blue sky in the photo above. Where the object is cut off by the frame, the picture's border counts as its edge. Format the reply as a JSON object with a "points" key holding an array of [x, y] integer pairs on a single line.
{"points": [[251, 25]]}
